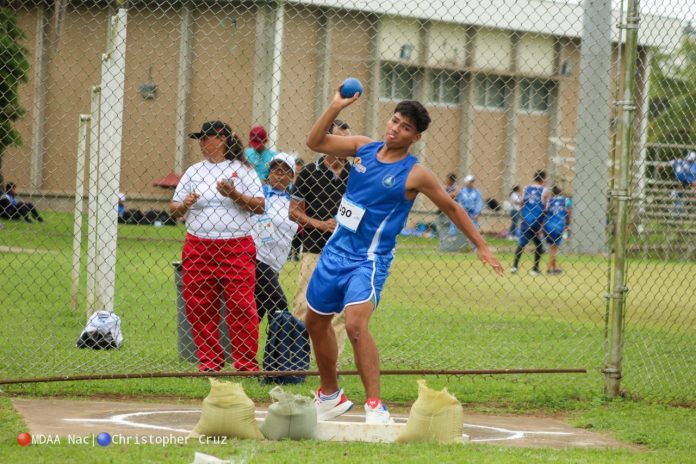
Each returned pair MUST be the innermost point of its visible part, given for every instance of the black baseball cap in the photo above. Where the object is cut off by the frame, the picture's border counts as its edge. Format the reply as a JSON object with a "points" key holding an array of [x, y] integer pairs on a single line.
{"points": [[212, 128], [339, 124]]}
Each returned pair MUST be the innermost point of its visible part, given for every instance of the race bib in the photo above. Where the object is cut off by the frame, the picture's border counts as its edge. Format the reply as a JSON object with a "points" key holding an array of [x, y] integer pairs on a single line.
{"points": [[349, 214], [264, 230]]}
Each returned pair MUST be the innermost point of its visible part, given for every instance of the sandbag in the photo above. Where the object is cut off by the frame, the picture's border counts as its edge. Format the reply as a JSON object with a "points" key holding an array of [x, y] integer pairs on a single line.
{"points": [[290, 416], [227, 412], [435, 417]]}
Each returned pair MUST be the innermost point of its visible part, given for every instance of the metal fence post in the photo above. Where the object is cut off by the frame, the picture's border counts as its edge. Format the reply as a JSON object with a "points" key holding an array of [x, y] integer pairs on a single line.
{"points": [[622, 197]]}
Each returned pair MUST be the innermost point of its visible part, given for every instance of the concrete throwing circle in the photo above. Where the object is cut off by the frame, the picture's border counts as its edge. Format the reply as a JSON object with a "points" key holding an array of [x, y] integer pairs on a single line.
{"points": [[152, 420], [61, 417]]}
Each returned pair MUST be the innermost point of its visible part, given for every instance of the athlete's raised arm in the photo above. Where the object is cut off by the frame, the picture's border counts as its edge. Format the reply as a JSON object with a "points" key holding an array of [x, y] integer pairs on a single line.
{"points": [[422, 180], [321, 141]]}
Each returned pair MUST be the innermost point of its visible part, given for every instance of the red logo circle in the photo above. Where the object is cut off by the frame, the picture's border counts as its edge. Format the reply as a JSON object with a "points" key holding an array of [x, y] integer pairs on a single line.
{"points": [[24, 439]]}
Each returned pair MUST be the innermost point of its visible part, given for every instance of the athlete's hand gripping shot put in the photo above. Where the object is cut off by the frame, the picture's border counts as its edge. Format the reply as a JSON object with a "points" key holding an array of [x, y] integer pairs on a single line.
{"points": [[353, 268]]}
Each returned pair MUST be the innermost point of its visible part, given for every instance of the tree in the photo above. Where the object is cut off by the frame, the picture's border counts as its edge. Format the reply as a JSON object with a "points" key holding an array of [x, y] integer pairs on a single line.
{"points": [[14, 67], [673, 99]]}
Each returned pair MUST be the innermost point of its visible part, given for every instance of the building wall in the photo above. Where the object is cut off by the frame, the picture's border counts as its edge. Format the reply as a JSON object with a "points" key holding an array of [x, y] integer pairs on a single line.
{"points": [[488, 151], [149, 126], [350, 47], [225, 55], [493, 50]]}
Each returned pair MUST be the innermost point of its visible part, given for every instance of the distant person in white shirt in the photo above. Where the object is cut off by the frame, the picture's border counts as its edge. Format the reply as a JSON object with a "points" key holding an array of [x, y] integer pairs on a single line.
{"points": [[274, 233], [219, 197], [515, 208]]}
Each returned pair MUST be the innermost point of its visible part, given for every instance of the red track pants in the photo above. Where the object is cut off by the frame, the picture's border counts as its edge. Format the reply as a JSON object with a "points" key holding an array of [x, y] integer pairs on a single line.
{"points": [[221, 267]]}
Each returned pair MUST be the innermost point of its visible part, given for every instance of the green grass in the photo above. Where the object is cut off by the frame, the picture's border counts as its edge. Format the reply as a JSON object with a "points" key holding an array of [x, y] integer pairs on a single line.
{"points": [[438, 311]]}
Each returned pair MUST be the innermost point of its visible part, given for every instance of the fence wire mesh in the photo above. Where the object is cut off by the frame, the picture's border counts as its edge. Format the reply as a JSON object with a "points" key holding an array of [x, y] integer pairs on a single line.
{"points": [[99, 99]]}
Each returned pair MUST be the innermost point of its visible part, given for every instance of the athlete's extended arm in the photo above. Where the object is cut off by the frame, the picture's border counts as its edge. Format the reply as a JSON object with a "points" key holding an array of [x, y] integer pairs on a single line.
{"points": [[425, 182], [321, 141]]}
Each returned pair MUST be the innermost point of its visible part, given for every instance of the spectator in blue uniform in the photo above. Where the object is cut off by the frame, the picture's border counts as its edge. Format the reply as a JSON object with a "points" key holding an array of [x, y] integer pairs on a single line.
{"points": [[534, 202], [556, 223], [471, 200]]}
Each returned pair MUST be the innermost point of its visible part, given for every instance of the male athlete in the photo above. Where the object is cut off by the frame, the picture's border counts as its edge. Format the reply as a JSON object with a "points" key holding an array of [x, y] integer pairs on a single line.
{"points": [[383, 183]]}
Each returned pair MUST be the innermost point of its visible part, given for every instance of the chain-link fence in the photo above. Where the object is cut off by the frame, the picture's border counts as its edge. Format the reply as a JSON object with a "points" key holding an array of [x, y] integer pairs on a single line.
{"points": [[113, 90]]}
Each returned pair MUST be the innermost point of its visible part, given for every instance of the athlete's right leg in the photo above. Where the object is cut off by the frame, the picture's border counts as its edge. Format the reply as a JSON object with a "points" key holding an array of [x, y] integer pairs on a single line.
{"points": [[299, 306], [330, 400], [325, 349]]}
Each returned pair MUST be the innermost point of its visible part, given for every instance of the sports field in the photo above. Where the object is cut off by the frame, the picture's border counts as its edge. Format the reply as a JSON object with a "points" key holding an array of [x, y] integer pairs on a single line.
{"points": [[439, 311]]}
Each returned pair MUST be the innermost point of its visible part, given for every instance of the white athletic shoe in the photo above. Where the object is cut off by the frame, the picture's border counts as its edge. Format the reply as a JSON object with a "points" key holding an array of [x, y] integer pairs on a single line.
{"points": [[513, 270], [328, 409], [378, 415], [534, 273]]}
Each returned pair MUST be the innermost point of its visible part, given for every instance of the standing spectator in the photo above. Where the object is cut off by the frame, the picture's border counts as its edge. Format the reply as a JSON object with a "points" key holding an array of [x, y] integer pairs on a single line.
{"points": [[296, 248], [534, 203], [257, 153], [557, 222], [273, 237], [451, 186], [12, 208], [219, 197], [299, 165], [319, 190], [471, 200], [515, 208]]}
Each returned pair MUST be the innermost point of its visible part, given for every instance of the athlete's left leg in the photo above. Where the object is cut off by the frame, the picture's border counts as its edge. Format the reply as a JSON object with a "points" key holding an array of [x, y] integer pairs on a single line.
{"points": [[364, 347]]}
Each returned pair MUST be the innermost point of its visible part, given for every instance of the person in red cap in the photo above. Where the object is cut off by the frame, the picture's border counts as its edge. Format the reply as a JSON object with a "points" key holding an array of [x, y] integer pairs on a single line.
{"points": [[257, 153], [220, 198]]}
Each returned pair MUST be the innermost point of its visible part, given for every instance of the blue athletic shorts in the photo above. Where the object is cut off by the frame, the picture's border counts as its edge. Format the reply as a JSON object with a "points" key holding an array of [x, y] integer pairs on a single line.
{"points": [[528, 232], [339, 281], [554, 237]]}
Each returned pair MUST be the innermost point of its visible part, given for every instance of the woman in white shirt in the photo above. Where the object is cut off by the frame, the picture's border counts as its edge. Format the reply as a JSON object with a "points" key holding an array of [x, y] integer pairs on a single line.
{"points": [[219, 197]]}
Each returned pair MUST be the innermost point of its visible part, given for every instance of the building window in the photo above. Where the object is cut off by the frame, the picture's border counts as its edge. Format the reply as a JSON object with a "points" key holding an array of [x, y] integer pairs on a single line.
{"points": [[492, 91], [535, 95], [398, 82], [445, 87]]}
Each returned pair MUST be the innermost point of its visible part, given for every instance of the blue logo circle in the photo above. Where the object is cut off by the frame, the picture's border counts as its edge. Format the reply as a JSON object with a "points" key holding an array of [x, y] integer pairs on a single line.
{"points": [[104, 439], [388, 181]]}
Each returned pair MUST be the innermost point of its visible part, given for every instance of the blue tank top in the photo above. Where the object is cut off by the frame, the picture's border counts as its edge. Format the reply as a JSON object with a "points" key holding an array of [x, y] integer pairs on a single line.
{"points": [[532, 204], [379, 188], [556, 215]]}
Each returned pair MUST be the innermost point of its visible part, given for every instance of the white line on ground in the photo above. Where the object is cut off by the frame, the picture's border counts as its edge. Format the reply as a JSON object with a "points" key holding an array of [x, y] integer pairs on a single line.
{"points": [[123, 420]]}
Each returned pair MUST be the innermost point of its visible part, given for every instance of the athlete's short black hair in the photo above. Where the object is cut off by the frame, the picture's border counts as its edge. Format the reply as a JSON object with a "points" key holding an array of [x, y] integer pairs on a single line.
{"points": [[556, 190], [540, 176], [416, 112]]}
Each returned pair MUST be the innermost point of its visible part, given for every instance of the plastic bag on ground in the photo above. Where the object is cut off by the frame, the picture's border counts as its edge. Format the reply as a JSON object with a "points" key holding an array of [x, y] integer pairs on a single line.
{"points": [[290, 416], [227, 412], [435, 417]]}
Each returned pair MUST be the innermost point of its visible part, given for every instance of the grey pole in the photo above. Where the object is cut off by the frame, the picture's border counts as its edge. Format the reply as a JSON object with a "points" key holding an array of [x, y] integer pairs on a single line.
{"points": [[591, 178], [621, 198]]}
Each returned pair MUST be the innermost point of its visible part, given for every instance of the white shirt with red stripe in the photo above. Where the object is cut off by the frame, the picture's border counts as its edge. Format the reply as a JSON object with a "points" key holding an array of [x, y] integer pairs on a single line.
{"points": [[214, 216]]}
